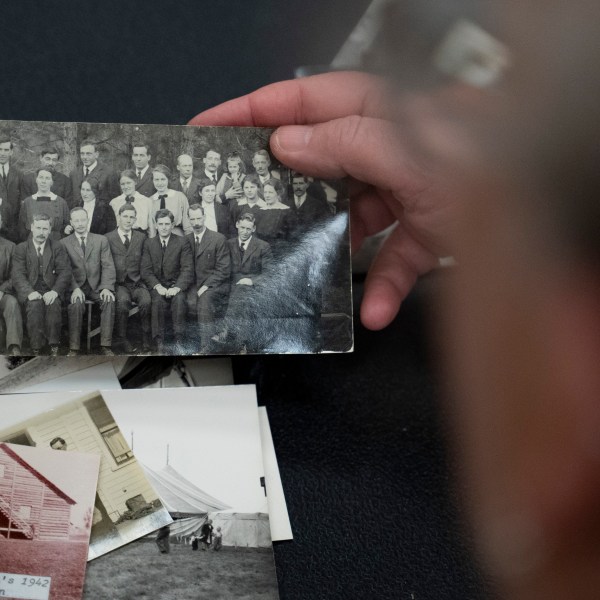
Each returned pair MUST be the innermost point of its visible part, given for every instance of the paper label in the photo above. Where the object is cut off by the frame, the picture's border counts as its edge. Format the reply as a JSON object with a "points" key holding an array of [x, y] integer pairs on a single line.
{"points": [[25, 587]]}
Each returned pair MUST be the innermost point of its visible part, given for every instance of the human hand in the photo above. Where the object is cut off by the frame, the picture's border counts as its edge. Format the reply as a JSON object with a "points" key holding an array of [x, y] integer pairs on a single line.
{"points": [[233, 192], [34, 296], [50, 297], [107, 296], [77, 296], [161, 289], [345, 124], [68, 230], [202, 290], [173, 292], [245, 281]]}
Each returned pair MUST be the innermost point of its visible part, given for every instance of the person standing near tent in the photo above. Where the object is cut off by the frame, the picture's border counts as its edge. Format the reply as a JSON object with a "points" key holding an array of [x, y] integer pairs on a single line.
{"points": [[162, 539], [218, 542], [206, 534]]}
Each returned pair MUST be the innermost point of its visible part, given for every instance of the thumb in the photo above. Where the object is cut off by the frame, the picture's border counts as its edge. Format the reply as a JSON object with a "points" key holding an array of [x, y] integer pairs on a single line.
{"points": [[366, 148]]}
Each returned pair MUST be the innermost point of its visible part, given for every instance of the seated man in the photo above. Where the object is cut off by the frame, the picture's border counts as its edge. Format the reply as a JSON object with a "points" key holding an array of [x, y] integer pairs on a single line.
{"points": [[9, 308], [251, 259], [126, 246], [167, 271], [93, 279], [41, 275], [212, 267]]}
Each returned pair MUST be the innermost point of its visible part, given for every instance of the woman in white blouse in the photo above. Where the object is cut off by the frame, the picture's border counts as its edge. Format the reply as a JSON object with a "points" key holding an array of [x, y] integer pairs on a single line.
{"points": [[172, 200]]}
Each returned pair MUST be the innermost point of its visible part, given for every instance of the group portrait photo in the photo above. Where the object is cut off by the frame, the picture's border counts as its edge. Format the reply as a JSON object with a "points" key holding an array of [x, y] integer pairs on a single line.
{"points": [[166, 240]]}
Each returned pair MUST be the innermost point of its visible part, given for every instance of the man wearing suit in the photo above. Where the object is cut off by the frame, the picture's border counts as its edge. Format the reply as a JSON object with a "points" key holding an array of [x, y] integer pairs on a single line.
{"points": [[140, 157], [167, 271], [261, 161], [93, 279], [212, 162], [186, 182], [126, 246], [9, 308], [309, 211], [61, 184], [10, 190], [93, 170], [217, 216], [251, 260], [212, 268], [41, 275]]}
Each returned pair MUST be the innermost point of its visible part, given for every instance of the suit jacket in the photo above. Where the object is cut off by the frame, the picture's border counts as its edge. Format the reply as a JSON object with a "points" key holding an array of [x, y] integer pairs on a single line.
{"points": [[256, 262], [61, 186], [128, 262], [145, 185], [11, 194], [25, 271], [212, 263], [223, 219], [193, 193], [103, 219], [96, 267], [174, 269], [7, 249], [312, 211], [105, 178]]}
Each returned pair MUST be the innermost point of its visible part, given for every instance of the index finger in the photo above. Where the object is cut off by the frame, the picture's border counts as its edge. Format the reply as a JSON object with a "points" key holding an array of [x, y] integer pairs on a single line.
{"points": [[308, 100]]}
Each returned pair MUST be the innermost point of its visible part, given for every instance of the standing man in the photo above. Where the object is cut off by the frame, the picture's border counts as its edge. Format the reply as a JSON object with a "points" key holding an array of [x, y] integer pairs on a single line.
{"points": [[186, 182], [251, 259], [261, 161], [93, 170], [212, 162], [126, 246], [143, 173], [41, 275], [10, 190], [9, 308], [61, 184], [167, 271], [93, 279], [309, 211], [212, 268]]}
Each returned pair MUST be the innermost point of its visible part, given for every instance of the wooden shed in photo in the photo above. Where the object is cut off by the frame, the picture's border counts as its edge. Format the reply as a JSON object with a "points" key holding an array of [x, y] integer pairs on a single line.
{"points": [[31, 506]]}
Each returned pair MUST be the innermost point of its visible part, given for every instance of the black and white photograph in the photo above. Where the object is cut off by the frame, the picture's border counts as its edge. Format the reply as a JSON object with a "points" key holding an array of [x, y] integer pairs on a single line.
{"points": [[46, 515], [126, 506], [120, 239], [203, 456]]}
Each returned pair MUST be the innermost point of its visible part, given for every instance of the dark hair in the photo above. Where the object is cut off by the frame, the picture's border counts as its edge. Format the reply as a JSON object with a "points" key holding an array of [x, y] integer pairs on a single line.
{"points": [[251, 178], [246, 217], [195, 206], [93, 185], [130, 173], [127, 206], [276, 185], [41, 217], [205, 182], [5, 137], [37, 172], [140, 144], [296, 175], [262, 152], [164, 212], [49, 150], [75, 209]]}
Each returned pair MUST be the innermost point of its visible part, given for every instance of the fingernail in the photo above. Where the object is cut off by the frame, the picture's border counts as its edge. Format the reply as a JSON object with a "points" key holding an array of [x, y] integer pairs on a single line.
{"points": [[293, 138]]}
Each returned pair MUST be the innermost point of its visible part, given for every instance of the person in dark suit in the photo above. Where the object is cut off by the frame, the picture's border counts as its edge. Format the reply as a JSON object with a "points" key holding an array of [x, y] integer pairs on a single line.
{"points": [[10, 190], [101, 216], [93, 170], [212, 267], [140, 157], [217, 216], [61, 184], [41, 275], [9, 307], [309, 210], [45, 202], [93, 279], [186, 182], [212, 162], [251, 261], [126, 246], [261, 161], [167, 271]]}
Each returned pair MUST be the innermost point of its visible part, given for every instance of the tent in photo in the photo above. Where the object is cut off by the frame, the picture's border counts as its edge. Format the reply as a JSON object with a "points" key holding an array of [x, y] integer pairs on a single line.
{"points": [[243, 530]]}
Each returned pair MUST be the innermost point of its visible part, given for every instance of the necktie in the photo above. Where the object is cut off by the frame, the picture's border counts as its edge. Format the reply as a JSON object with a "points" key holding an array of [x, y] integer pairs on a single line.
{"points": [[129, 199], [3, 173], [242, 249], [185, 185], [139, 175], [164, 247], [83, 245], [162, 199], [87, 172], [40, 260], [197, 241], [127, 242]]}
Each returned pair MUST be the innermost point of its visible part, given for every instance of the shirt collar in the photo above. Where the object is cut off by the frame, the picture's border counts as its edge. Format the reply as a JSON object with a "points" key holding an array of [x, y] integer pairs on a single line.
{"points": [[122, 234], [161, 240], [50, 195], [91, 167], [41, 246], [245, 243]]}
